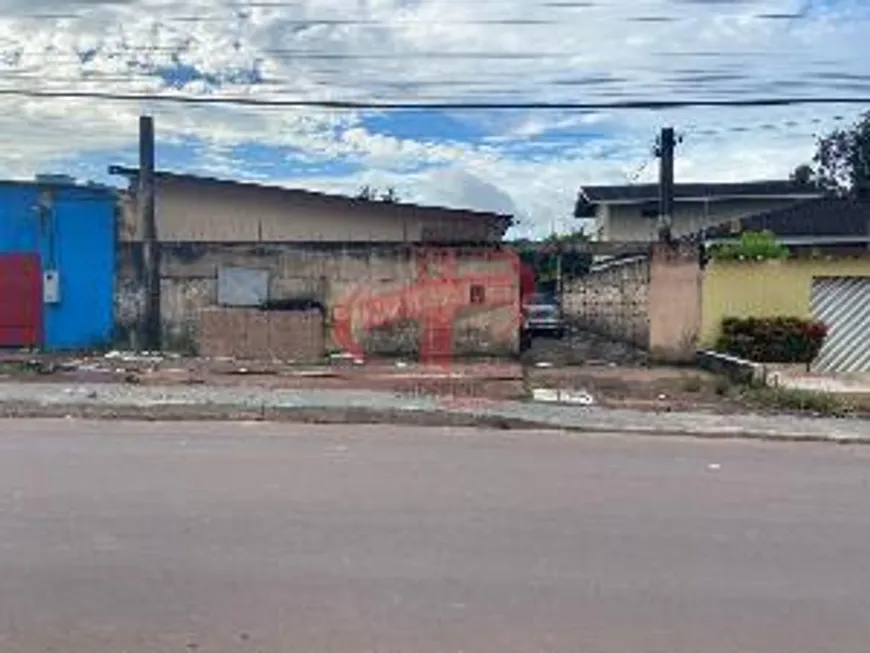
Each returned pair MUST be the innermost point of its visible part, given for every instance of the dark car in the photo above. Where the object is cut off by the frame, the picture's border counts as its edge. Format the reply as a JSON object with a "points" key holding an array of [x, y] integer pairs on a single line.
{"points": [[542, 315]]}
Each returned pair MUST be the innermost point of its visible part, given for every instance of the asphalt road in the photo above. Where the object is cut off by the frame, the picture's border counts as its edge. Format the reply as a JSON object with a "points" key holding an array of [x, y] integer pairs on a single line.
{"points": [[207, 537]]}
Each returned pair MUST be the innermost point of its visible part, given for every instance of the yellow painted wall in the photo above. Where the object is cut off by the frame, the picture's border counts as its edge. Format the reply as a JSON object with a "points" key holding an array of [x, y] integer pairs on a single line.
{"points": [[765, 289]]}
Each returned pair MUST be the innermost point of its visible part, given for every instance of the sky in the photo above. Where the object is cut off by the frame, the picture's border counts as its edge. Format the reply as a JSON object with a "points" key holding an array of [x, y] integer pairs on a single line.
{"points": [[527, 163]]}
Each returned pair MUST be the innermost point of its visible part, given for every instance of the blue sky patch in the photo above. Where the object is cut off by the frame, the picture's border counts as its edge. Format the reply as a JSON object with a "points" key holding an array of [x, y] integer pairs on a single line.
{"points": [[433, 126], [285, 163]]}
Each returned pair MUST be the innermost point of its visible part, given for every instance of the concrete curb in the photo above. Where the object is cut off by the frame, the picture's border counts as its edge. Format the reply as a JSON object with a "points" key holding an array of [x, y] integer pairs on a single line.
{"points": [[736, 369], [304, 415], [760, 436], [411, 417]]}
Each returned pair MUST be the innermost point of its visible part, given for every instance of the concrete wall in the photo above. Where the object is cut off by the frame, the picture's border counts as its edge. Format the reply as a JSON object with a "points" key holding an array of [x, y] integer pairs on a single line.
{"points": [[624, 222], [674, 303], [378, 299], [194, 211], [765, 289], [613, 299], [652, 301]]}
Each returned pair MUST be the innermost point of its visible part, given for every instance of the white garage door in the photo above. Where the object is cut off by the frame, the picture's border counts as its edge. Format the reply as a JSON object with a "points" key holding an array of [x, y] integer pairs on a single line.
{"points": [[843, 304]]}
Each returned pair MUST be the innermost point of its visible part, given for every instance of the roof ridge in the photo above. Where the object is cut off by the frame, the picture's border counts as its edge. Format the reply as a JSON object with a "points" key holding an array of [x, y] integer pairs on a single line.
{"points": [[131, 171]]}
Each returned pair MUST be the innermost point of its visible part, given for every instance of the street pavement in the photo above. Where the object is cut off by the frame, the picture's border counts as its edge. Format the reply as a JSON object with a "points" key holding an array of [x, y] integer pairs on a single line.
{"points": [[238, 537]]}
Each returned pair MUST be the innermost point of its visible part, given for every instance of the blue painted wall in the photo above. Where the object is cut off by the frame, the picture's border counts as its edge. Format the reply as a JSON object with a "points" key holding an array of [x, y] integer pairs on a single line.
{"points": [[76, 236]]}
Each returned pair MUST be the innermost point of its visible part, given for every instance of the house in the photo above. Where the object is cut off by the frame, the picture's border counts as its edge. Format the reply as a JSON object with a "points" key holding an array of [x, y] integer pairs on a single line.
{"points": [[57, 264], [826, 278], [629, 213], [832, 289], [830, 225], [191, 208], [253, 271]]}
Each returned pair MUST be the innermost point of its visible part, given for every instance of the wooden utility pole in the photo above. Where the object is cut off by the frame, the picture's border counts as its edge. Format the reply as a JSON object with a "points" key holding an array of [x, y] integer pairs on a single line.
{"points": [[151, 323], [665, 152]]}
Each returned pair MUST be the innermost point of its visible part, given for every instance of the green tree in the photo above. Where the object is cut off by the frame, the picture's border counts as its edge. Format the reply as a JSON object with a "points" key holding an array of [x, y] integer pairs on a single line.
{"points": [[841, 164], [552, 254], [753, 246], [390, 195], [578, 236], [371, 194], [804, 175]]}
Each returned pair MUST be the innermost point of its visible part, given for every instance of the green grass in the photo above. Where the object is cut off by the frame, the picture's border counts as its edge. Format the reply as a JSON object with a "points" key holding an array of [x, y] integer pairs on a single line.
{"points": [[787, 399]]}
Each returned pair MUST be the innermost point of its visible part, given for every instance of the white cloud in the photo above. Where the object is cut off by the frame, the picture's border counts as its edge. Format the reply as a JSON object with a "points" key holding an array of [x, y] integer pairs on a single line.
{"points": [[614, 49]]}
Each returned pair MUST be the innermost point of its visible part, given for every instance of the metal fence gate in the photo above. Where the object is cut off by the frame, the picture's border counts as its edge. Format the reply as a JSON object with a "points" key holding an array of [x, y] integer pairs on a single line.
{"points": [[20, 300], [843, 305]]}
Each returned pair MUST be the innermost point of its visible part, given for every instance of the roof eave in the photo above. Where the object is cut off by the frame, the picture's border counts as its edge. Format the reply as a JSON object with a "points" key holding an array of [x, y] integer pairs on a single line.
{"points": [[797, 241], [132, 173], [713, 198], [123, 171]]}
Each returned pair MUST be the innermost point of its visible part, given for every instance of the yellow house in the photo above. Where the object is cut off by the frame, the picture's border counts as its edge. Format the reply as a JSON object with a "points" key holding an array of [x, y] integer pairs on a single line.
{"points": [[835, 291]]}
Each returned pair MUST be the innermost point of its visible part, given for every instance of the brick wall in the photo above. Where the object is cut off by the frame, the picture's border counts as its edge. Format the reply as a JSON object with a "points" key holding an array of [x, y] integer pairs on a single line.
{"points": [[613, 299], [379, 299], [254, 334]]}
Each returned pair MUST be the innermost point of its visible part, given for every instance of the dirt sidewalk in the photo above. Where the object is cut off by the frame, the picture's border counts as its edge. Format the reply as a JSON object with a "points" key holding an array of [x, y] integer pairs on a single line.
{"points": [[609, 384]]}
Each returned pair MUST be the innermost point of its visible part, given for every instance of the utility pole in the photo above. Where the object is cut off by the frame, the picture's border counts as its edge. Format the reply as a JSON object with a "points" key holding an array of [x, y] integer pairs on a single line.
{"points": [[665, 152], [151, 323]]}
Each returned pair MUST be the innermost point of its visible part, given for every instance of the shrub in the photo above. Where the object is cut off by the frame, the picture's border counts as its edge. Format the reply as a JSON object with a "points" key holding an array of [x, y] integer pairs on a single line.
{"points": [[773, 340], [753, 246], [789, 399]]}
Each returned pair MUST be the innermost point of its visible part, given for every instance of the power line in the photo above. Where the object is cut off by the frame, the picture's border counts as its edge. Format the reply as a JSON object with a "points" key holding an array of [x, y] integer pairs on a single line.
{"points": [[186, 45], [446, 106], [361, 22], [291, 53]]}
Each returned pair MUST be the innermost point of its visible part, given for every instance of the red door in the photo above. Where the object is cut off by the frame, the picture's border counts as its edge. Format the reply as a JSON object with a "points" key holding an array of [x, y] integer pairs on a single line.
{"points": [[20, 300]]}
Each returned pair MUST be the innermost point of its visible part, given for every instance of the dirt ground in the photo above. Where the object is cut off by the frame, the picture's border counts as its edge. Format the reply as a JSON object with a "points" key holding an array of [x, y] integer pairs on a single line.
{"points": [[613, 374]]}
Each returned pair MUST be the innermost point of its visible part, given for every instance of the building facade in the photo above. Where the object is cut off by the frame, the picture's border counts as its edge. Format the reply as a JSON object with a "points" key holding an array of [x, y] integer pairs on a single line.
{"points": [[629, 213], [239, 262], [833, 290], [57, 264]]}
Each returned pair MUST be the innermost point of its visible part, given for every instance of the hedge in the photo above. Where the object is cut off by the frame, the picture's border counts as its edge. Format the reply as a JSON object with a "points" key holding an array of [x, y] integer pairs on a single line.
{"points": [[773, 340]]}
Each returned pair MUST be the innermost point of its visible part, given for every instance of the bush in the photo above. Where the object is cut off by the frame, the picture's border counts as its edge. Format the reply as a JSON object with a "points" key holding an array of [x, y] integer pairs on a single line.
{"points": [[773, 340], [753, 246], [788, 399]]}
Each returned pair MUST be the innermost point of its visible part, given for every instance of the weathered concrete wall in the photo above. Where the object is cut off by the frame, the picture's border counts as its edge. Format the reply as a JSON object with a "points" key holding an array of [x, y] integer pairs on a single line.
{"points": [[674, 303], [652, 301], [378, 299], [188, 210], [613, 299]]}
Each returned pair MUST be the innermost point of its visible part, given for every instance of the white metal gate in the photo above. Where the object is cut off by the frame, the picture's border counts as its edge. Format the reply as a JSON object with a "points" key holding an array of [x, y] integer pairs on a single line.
{"points": [[843, 305]]}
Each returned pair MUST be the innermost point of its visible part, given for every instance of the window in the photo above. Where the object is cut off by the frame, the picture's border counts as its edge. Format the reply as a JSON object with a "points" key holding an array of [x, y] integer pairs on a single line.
{"points": [[242, 286]]}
